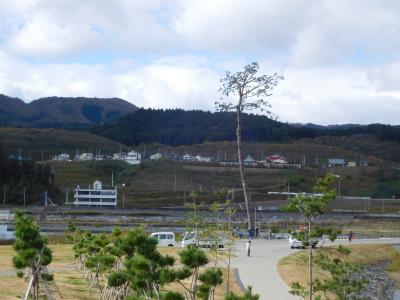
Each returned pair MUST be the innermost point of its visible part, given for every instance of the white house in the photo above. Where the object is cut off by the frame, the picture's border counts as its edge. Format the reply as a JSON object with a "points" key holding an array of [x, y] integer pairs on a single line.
{"points": [[250, 161], [156, 156], [133, 158], [188, 157], [96, 196], [62, 157], [336, 162], [86, 156], [276, 159], [204, 159]]}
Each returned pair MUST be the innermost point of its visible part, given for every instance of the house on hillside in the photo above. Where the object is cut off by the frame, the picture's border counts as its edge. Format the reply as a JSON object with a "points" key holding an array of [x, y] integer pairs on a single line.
{"points": [[250, 161], [156, 156], [203, 159], [101, 157], [133, 158], [336, 162], [86, 156], [351, 163], [188, 157], [174, 156], [62, 157], [276, 159]]}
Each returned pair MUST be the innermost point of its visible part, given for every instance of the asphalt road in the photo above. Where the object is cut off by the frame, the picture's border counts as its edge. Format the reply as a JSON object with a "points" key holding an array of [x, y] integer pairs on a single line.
{"points": [[259, 270]]}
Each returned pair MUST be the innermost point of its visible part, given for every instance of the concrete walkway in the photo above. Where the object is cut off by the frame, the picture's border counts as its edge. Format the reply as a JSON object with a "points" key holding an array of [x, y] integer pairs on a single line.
{"points": [[259, 270]]}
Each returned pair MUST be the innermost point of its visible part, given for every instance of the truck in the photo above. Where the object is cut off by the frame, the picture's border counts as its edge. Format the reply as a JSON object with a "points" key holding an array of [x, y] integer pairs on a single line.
{"points": [[196, 238]]}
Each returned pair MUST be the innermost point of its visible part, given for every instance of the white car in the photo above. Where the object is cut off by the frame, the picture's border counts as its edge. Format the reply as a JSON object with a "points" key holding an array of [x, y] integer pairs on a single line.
{"points": [[297, 244], [165, 239]]}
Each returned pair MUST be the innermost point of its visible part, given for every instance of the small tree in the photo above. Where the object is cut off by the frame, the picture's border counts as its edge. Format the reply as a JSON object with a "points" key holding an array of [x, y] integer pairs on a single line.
{"points": [[210, 278], [33, 255], [144, 270], [310, 207], [248, 295], [341, 283], [250, 91], [192, 259], [230, 211]]}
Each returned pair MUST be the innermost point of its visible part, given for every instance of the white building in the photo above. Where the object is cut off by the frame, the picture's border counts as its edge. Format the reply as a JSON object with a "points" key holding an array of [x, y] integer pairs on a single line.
{"points": [[188, 157], [204, 159], [133, 158], [276, 159], [62, 157], [86, 156], [250, 161], [156, 156], [96, 196]]}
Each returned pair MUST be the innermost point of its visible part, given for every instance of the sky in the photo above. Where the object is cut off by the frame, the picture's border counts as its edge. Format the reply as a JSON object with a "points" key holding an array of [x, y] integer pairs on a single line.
{"points": [[340, 58]]}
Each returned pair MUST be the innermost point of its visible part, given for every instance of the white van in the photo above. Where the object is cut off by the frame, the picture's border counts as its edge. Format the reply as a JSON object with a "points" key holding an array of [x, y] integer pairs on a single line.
{"points": [[165, 239]]}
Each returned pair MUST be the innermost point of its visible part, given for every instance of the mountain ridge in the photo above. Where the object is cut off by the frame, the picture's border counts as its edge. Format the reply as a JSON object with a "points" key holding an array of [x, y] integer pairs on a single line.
{"points": [[62, 112]]}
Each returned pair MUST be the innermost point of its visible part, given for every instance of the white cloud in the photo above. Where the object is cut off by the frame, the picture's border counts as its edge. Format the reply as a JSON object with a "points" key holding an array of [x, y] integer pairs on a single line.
{"points": [[47, 29], [338, 57], [42, 37]]}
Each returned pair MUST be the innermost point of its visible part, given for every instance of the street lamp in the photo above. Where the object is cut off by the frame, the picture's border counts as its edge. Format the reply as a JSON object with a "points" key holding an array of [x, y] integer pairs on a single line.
{"points": [[123, 195]]}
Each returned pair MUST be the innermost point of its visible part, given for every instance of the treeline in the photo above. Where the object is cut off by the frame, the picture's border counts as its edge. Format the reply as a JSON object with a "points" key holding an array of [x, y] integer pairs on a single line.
{"points": [[19, 175], [178, 127]]}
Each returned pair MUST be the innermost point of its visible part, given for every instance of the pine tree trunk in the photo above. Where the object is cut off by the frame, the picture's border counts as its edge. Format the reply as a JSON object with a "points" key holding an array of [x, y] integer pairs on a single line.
{"points": [[310, 283], [241, 164]]}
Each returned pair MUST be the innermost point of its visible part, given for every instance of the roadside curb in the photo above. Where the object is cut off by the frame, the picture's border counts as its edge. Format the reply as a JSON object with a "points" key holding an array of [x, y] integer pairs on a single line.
{"points": [[238, 280]]}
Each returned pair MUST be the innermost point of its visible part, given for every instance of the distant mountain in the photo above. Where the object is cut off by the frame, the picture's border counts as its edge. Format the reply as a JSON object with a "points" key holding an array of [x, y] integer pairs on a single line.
{"points": [[62, 112]]}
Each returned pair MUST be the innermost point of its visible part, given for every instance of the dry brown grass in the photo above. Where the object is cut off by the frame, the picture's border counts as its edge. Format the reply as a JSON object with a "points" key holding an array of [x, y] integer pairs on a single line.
{"points": [[71, 283], [293, 268]]}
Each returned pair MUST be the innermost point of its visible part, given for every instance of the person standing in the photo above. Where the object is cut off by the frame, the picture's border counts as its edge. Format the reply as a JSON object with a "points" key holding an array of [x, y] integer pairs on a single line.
{"points": [[248, 246], [350, 236]]}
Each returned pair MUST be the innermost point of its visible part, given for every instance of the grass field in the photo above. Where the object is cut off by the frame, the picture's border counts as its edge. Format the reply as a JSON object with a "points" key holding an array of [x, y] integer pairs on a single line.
{"points": [[71, 283], [160, 183], [293, 268]]}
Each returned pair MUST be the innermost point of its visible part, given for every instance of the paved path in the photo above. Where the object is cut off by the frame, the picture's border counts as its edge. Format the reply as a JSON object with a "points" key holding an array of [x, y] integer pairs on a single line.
{"points": [[259, 270]]}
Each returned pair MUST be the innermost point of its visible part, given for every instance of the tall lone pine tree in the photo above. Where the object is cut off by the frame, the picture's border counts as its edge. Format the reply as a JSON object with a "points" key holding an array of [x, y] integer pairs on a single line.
{"points": [[249, 91]]}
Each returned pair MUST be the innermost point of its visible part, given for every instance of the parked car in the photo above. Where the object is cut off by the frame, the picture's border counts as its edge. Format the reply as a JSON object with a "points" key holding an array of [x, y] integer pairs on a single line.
{"points": [[297, 244], [191, 238], [165, 239]]}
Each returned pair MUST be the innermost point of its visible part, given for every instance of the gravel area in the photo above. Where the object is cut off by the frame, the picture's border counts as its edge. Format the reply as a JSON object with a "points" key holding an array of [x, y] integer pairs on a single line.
{"points": [[379, 285]]}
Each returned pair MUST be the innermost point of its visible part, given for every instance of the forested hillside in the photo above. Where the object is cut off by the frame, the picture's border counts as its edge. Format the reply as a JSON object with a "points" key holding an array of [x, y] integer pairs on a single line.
{"points": [[19, 175], [179, 127], [62, 112]]}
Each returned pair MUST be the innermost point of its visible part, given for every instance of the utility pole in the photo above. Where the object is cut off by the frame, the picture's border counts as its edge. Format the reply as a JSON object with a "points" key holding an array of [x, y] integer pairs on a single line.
{"points": [[184, 199], [24, 197], [112, 178], [174, 181], [4, 195], [123, 195]]}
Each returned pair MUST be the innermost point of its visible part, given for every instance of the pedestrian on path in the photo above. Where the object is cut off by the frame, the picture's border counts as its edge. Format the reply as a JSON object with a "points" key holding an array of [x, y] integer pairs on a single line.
{"points": [[248, 245], [350, 236]]}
